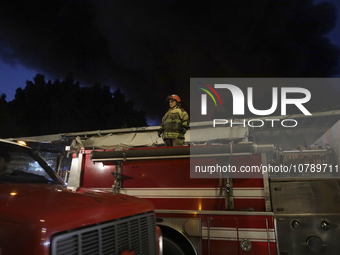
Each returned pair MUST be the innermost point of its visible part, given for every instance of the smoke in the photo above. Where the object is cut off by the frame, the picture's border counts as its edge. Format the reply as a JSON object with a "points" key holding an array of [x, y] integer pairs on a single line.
{"points": [[150, 49]]}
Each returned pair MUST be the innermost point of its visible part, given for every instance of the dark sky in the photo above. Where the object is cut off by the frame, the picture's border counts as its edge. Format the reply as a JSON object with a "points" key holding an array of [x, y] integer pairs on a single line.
{"points": [[151, 48]]}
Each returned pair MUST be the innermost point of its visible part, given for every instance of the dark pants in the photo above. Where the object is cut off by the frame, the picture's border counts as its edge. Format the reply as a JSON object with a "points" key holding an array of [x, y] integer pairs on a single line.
{"points": [[174, 142]]}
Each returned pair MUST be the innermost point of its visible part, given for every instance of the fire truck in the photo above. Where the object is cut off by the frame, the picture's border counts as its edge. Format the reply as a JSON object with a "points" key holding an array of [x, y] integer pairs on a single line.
{"points": [[283, 213]]}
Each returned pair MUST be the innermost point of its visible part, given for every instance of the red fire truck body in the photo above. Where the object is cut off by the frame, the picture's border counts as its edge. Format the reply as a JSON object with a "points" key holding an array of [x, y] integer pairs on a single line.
{"points": [[165, 181], [199, 203], [212, 216]]}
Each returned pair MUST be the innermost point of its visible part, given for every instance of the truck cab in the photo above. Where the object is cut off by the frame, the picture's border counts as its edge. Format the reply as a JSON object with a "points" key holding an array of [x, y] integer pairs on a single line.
{"points": [[39, 215]]}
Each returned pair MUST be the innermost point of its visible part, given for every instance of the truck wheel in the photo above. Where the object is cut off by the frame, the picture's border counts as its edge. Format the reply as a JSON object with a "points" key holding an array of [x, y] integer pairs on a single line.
{"points": [[171, 248]]}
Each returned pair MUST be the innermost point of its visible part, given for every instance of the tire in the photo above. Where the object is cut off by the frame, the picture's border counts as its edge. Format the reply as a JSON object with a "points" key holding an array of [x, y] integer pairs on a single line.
{"points": [[171, 248]]}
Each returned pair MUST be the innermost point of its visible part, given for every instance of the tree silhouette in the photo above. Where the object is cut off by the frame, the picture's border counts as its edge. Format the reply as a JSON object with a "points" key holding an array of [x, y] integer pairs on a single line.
{"points": [[64, 106]]}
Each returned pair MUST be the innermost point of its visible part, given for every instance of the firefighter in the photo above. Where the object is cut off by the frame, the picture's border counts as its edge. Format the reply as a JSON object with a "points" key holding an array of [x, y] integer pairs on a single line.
{"points": [[175, 123]]}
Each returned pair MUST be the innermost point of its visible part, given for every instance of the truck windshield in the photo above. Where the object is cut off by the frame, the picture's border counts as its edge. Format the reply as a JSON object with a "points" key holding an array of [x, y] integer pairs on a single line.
{"points": [[22, 166]]}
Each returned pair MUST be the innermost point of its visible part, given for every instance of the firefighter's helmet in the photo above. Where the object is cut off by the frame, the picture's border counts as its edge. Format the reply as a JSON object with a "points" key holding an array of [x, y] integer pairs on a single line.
{"points": [[174, 97]]}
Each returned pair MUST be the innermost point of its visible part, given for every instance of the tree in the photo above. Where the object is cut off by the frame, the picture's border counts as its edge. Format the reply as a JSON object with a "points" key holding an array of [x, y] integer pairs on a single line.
{"points": [[64, 106]]}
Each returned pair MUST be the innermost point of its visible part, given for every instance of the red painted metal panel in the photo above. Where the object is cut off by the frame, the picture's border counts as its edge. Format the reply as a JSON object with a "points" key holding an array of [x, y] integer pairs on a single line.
{"points": [[97, 175], [174, 173], [163, 173], [247, 183], [219, 247], [227, 231], [167, 184], [188, 204], [49, 205], [257, 205]]}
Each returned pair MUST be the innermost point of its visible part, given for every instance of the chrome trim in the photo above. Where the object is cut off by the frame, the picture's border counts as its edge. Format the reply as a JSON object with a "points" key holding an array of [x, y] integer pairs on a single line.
{"points": [[108, 236], [160, 244], [276, 236], [305, 151], [305, 214], [266, 188], [173, 157], [268, 239], [215, 212], [208, 225]]}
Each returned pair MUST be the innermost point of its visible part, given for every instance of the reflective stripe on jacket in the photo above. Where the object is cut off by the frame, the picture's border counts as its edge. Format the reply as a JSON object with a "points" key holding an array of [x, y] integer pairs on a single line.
{"points": [[173, 121]]}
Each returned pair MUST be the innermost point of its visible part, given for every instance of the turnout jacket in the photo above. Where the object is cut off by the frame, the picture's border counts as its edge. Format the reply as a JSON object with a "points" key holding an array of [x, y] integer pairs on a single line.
{"points": [[174, 120]]}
